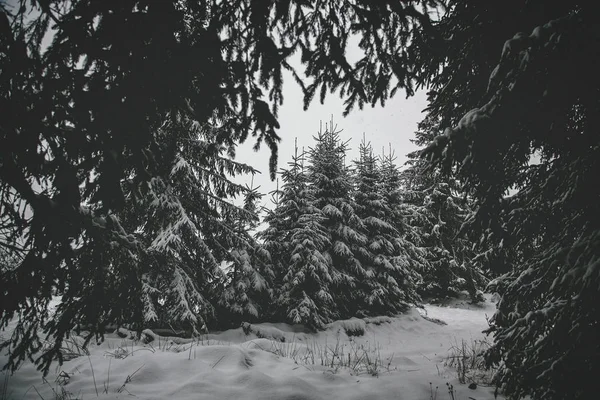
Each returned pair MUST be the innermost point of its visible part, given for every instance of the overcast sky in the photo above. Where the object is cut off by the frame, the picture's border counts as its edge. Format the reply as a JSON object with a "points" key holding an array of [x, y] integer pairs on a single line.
{"points": [[393, 124]]}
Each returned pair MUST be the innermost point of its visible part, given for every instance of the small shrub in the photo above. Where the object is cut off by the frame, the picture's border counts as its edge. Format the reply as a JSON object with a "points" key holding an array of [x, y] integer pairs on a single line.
{"points": [[467, 358], [357, 358], [71, 348], [354, 331], [246, 328], [352, 327], [378, 320]]}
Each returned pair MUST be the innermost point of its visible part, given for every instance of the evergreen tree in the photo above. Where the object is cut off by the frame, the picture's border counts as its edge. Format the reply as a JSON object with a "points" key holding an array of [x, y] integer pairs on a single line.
{"points": [[410, 255], [438, 213], [290, 203], [332, 187], [295, 239], [247, 290], [189, 227], [390, 284], [528, 152], [306, 294], [87, 144]]}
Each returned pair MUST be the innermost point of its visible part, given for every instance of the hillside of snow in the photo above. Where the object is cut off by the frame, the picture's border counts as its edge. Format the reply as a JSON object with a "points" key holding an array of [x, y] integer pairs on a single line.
{"points": [[405, 357]]}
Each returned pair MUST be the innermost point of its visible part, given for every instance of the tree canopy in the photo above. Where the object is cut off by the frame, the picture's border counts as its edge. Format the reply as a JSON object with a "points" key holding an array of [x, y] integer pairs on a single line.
{"points": [[121, 121], [517, 94]]}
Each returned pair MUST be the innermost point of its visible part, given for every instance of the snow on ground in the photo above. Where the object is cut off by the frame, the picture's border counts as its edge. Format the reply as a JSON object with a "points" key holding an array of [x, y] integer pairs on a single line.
{"points": [[375, 358]]}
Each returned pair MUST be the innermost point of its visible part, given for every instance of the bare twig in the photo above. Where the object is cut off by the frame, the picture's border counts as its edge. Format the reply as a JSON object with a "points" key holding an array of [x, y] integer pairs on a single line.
{"points": [[222, 357], [93, 375]]}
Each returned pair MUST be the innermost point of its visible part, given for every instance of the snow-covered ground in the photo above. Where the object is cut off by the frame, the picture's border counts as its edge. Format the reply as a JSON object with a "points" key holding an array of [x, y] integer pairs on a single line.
{"points": [[395, 358]]}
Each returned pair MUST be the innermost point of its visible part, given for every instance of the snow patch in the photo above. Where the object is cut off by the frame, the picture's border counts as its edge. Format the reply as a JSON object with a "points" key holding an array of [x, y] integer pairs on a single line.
{"points": [[233, 365]]}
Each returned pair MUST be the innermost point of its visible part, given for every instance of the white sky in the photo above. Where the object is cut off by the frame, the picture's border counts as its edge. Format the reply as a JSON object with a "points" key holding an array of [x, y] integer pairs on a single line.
{"points": [[393, 124]]}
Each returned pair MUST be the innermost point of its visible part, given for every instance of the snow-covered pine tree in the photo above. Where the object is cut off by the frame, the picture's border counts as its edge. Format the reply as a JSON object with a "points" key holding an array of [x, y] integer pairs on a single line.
{"points": [[526, 144], [189, 224], [390, 285], [332, 187], [410, 255], [290, 202], [247, 288], [247, 291], [438, 211], [296, 240], [306, 293], [274, 240]]}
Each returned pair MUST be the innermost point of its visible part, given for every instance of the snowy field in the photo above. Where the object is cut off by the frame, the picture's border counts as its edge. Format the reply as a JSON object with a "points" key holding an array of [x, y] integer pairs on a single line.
{"points": [[378, 358]]}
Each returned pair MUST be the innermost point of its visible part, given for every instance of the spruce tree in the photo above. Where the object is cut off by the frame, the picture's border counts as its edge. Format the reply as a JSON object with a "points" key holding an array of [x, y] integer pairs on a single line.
{"points": [[290, 202], [438, 212], [307, 295], [332, 187], [517, 93], [296, 240], [409, 255], [247, 288], [190, 225], [390, 286]]}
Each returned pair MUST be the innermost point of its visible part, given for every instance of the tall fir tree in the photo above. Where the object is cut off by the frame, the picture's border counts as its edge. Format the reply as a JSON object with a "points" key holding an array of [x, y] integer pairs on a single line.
{"points": [[247, 290], [390, 286], [290, 202], [438, 211], [296, 240], [410, 254], [332, 187], [191, 227], [517, 93], [307, 295]]}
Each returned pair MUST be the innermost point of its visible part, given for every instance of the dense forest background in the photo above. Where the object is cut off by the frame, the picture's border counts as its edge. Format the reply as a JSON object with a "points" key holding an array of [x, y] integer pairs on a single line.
{"points": [[117, 157]]}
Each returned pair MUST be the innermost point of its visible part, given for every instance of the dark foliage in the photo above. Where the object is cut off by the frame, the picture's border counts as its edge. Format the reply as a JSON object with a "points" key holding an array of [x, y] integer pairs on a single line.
{"points": [[518, 98], [390, 259], [100, 127], [437, 209], [102, 99]]}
